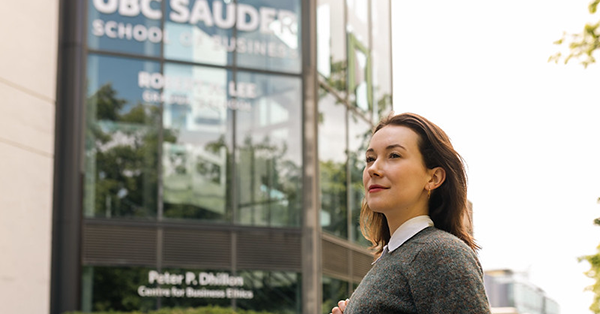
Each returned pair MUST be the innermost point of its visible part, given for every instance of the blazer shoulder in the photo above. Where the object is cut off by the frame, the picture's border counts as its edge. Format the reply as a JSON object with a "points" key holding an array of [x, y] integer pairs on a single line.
{"points": [[437, 243]]}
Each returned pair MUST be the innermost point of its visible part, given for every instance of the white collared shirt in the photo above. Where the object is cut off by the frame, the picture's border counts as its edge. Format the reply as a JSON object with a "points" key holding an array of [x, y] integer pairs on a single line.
{"points": [[406, 231]]}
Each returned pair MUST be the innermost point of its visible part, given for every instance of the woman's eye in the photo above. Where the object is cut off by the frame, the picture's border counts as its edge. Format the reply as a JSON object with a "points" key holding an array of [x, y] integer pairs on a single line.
{"points": [[369, 159], [394, 155]]}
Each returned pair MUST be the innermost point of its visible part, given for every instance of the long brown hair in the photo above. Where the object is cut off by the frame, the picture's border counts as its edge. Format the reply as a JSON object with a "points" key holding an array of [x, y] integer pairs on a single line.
{"points": [[447, 204]]}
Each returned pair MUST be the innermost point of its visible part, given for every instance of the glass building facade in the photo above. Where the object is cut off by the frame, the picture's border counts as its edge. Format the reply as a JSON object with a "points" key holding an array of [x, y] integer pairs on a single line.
{"points": [[212, 152], [355, 90]]}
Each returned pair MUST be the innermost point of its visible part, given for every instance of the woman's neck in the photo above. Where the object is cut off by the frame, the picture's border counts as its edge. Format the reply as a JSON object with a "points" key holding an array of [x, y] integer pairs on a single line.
{"points": [[397, 218]]}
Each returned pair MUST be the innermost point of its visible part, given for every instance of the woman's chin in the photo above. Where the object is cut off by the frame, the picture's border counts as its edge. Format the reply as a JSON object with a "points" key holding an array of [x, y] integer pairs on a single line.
{"points": [[376, 208]]}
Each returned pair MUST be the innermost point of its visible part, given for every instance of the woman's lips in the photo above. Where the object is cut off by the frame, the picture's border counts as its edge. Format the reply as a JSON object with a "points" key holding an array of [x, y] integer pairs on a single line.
{"points": [[376, 188]]}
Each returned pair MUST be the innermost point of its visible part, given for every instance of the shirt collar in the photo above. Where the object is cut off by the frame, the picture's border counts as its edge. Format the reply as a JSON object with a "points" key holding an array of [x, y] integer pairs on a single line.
{"points": [[407, 230]]}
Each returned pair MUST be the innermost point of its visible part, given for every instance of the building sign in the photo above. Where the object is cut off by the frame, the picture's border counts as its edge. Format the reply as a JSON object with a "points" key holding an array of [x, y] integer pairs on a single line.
{"points": [[180, 91], [204, 31], [206, 285]]}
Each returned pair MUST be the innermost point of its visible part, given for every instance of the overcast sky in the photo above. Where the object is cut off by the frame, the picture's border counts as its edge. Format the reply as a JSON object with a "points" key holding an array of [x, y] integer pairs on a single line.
{"points": [[529, 130]]}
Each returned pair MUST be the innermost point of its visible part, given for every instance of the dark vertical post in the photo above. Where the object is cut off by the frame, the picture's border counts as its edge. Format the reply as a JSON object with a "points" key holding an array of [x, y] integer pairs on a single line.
{"points": [[311, 229], [66, 218]]}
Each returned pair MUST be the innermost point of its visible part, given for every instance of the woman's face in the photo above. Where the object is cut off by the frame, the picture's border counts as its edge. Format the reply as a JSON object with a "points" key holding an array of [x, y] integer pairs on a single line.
{"points": [[395, 176]]}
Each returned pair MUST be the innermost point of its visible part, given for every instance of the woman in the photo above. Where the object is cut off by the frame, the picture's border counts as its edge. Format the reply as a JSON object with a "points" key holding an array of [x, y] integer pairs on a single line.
{"points": [[415, 214]]}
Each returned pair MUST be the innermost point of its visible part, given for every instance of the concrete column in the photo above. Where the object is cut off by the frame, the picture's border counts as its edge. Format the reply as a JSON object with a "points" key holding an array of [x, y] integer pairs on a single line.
{"points": [[29, 32], [311, 229]]}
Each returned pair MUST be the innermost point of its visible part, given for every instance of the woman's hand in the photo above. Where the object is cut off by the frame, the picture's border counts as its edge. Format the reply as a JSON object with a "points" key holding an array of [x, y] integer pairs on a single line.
{"points": [[340, 308]]}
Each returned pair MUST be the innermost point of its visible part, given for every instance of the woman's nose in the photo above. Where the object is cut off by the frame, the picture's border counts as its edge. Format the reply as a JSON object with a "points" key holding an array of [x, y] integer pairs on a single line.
{"points": [[374, 169]]}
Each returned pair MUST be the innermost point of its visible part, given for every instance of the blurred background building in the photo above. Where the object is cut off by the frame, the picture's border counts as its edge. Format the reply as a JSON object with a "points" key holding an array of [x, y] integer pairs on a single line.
{"points": [[511, 292], [185, 153]]}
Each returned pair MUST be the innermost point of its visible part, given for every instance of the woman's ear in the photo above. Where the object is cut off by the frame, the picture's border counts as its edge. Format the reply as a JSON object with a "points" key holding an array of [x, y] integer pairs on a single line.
{"points": [[438, 176]]}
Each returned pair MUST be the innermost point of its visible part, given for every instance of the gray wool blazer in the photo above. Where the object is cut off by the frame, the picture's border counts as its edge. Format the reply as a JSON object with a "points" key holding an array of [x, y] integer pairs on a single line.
{"points": [[432, 272]]}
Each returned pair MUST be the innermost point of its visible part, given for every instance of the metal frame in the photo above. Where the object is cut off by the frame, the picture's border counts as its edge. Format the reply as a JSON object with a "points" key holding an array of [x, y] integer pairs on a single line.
{"points": [[66, 218]]}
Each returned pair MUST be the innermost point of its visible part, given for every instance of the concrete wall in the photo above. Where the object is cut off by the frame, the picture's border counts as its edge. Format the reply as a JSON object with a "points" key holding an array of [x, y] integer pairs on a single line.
{"points": [[28, 64]]}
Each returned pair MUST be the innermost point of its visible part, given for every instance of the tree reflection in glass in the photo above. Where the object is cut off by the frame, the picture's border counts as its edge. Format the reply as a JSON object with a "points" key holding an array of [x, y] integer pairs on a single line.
{"points": [[269, 153], [121, 156], [270, 184]]}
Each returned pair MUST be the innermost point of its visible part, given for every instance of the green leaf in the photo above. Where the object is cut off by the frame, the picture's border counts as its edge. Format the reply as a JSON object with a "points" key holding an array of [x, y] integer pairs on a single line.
{"points": [[593, 6]]}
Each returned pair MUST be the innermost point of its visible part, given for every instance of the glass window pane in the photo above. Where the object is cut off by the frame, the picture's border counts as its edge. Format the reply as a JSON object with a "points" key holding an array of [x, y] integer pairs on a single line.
{"points": [[259, 34], [269, 149], [332, 165], [360, 85], [121, 146], [201, 31], [127, 27], [331, 43], [197, 143], [360, 82], [273, 292], [333, 291], [382, 71], [360, 133], [108, 288], [271, 39], [358, 20]]}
